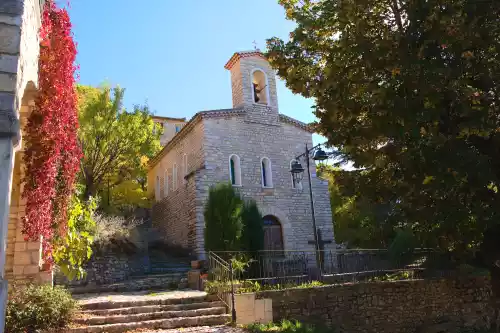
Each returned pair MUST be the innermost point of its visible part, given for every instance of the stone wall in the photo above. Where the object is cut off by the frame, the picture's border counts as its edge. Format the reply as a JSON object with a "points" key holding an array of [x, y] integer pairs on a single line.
{"points": [[174, 215], [100, 270], [388, 307], [20, 22], [280, 143]]}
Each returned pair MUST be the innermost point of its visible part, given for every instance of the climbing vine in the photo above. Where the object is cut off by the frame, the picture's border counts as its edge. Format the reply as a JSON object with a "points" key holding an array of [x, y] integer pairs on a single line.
{"points": [[51, 155]]}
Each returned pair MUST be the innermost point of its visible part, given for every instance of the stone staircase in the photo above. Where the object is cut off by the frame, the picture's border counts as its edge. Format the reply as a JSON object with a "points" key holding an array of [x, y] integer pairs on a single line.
{"points": [[126, 312]]}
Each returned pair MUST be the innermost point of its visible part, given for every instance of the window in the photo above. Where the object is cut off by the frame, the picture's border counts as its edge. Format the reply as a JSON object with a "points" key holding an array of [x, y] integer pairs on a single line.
{"points": [[157, 188], [177, 128], [165, 185], [185, 166], [235, 170], [267, 177], [260, 89], [174, 177]]}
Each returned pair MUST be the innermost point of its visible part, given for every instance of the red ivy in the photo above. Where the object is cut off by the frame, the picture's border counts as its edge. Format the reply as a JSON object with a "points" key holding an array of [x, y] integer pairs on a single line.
{"points": [[52, 155]]}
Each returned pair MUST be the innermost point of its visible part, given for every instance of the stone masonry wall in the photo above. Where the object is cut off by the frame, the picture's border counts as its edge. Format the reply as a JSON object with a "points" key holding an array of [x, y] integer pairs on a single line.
{"points": [[174, 214], [280, 143], [388, 307], [19, 50]]}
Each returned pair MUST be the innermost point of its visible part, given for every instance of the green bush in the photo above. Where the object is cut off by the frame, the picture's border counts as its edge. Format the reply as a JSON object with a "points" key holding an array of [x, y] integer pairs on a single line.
{"points": [[252, 236], [223, 219], [37, 308], [287, 326]]}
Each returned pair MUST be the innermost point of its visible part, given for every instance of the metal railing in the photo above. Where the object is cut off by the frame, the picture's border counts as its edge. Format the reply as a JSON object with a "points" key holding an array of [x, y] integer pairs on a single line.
{"points": [[284, 267], [221, 281]]}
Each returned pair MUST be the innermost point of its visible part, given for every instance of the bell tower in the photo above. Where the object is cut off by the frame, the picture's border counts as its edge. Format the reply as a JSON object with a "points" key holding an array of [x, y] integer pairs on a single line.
{"points": [[253, 83]]}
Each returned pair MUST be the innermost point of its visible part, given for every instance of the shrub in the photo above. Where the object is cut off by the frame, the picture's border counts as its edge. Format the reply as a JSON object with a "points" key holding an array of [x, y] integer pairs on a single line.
{"points": [[36, 308], [287, 326], [72, 251], [252, 236], [113, 233], [223, 219]]}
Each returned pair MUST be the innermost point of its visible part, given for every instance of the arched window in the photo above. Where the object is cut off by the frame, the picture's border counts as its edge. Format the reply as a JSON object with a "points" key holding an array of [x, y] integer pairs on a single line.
{"points": [[185, 166], [165, 184], [266, 172], [157, 188], [174, 177], [260, 88], [235, 170]]}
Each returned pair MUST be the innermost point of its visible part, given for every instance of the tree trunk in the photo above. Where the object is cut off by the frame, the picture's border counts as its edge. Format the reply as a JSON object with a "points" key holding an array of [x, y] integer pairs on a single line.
{"points": [[89, 190]]}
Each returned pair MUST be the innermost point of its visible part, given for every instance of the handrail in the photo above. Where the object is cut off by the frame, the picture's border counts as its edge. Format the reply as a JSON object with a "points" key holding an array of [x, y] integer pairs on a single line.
{"points": [[218, 259]]}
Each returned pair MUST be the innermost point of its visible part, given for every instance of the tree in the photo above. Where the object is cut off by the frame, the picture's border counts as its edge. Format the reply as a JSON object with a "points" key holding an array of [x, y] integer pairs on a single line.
{"points": [[357, 223], [115, 142], [409, 92], [252, 235], [223, 220]]}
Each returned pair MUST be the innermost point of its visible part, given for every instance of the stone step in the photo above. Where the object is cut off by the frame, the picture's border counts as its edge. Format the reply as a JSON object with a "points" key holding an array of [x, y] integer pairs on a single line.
{"points": [[152, 308], [171, 323], [128, 318], [143, 302]]}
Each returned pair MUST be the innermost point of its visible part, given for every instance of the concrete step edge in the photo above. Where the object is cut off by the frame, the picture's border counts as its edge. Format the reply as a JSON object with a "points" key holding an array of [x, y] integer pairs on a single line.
{"points": [[211, 320], [128, 318], [153, 308]]}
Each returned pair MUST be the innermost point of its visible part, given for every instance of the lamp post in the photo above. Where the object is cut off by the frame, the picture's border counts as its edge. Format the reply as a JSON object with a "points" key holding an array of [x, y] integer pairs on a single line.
{"points": [[297, 170]]}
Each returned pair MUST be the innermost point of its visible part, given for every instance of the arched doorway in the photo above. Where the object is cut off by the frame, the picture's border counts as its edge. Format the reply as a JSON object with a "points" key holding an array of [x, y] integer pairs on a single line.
{"points": [[273, 235]]}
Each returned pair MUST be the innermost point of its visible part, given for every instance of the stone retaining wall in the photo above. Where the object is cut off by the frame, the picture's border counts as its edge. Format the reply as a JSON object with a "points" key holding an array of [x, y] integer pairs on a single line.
{"points": [[106, 269], [388, 307]]}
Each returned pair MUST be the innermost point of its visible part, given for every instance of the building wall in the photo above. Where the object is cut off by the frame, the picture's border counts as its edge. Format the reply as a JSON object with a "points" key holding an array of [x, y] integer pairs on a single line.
{"points": [[169, 128], [389, 307], [19, 51], [280, 143], [174, 213]]}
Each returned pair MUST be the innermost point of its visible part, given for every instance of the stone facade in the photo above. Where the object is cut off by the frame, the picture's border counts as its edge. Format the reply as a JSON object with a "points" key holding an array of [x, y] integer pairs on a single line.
{"points": [[170, 127], [175, 213], [19, 50], [252, 131], [389, 307]]}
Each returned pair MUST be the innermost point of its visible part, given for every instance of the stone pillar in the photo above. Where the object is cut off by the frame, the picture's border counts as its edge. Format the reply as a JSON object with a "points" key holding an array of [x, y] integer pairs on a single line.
{"points": [[6, 164], [20, 22]]}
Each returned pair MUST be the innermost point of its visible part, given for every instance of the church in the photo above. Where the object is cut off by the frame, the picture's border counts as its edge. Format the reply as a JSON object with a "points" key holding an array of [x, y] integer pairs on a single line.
{"points": [[250, 145]]}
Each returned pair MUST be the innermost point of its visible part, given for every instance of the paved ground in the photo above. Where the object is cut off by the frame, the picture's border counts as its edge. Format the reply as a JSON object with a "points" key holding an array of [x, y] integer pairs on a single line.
{"points": [[137, 296], [200, 329]]}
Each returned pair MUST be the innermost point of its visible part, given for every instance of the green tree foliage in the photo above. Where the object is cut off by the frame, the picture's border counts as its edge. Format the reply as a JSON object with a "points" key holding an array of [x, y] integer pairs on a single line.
{"points": [[408, 91], [357, 222], [72, 251], [116, 144], [223, 220], [252, 236]]}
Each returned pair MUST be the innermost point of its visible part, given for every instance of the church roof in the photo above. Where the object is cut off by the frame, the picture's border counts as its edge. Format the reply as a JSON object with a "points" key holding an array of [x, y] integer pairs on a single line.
{"points": [[215, 114], [243, 54]]}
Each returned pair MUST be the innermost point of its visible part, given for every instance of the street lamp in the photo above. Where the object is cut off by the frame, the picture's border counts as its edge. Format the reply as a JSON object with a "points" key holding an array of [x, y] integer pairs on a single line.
{"points": [[297, 171]]}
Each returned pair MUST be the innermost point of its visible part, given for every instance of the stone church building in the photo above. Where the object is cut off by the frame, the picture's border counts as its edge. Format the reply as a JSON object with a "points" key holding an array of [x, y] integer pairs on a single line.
{"points": [[250, 145]]}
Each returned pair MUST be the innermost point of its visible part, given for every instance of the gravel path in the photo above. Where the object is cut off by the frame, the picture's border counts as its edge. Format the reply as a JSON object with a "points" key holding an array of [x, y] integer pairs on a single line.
{"points": [[200, 329], [137, 296]]}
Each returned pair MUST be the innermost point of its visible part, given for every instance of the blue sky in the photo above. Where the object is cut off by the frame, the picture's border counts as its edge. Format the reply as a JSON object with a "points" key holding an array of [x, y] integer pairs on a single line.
{"points": [[171, 54]]}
